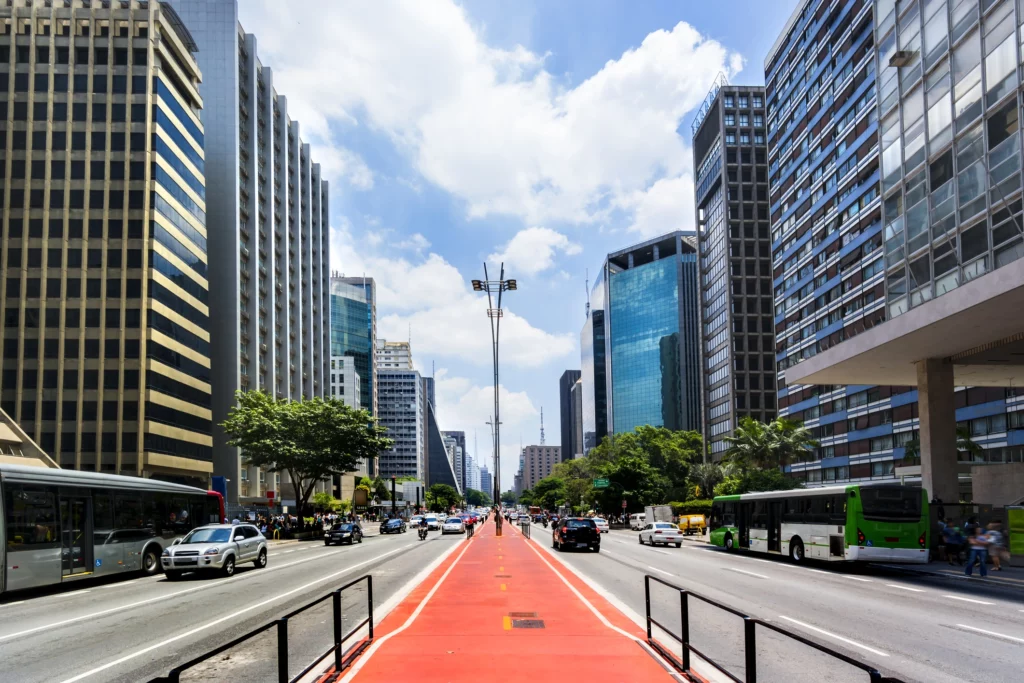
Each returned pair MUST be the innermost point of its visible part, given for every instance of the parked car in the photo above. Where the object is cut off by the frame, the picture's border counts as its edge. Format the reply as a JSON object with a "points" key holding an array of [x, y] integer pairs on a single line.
{"points": [[661, 532], [344, 532], [393, 526], [433, 523], [637, 520], [215, 547], [454, 525], [576, 532], [602, 524]]}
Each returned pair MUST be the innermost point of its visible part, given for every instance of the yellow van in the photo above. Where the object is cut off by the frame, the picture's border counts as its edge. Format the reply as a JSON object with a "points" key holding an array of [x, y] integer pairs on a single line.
{"points": [[692, 524]]}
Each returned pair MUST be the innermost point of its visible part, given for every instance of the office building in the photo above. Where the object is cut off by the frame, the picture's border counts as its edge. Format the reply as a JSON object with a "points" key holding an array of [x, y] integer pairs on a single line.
{"points": [[459, 463], [565, 385], [268, 292], [455, 457], [594, 362], [438, 468], [651, 338], [354, 331], [538, 461], [428, 392], [734, 256], [472, 474], [402, 410], [486, 482], [345, 381], [925, 243], [576, 406], [104, 290], [394, 355]]}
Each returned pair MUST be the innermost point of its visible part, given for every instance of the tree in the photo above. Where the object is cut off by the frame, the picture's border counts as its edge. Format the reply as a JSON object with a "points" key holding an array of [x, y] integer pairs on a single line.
{"points": [[755, 480], [705, 477], [549, 493], [442, 498], [577, 477], [477, 498], [964, 444], [509, 497], [310, 440], [756, 445], [671, 453], [524, 498], [382, 489], [633, 479], [323, 501]]}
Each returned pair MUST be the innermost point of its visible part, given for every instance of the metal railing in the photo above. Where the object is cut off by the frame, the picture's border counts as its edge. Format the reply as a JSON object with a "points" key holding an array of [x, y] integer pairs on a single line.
{"points": [[341, 661], [525, 528], [750, 625]]}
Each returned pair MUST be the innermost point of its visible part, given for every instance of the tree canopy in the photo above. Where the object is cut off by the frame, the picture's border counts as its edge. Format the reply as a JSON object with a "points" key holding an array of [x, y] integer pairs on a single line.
{"points": [[759, 445], [477, 498], [442, 498], [310, 439], [509, 497]]}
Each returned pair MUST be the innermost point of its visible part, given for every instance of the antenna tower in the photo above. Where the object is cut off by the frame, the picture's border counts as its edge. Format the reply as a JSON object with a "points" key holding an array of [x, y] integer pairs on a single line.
{"points": [[542, 425]]}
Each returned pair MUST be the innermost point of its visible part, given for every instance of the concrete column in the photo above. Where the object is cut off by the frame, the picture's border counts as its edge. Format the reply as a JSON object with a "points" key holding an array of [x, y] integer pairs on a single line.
{"points": [[938, 429]]}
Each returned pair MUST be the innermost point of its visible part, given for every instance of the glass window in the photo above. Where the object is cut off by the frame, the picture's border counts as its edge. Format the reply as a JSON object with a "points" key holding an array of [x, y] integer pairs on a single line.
{"points": [[31, 517], [1001, 70]]}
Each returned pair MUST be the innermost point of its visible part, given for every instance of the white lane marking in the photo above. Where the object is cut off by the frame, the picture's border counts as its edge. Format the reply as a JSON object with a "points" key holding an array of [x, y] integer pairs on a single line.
{"points": [[378, 642], [833, 635], [976, 602], [992, 633], [663, 552], [820, 571], [660, 570], [284, 552], [196, 589], [744, 571], [69, 594], [855, 578], [233, 616], [905, 588]]}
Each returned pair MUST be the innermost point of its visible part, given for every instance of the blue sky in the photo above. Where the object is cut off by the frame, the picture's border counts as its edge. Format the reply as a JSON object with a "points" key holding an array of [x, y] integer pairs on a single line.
{"points": [[543, 133]]}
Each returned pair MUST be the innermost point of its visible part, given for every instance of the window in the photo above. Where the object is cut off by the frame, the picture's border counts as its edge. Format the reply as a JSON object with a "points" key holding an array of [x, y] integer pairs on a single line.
{"points": [[31, 517]]}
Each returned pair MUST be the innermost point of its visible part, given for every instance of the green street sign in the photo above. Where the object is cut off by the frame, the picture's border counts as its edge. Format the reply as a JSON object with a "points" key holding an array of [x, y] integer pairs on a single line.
{"points": [[600, 483]]}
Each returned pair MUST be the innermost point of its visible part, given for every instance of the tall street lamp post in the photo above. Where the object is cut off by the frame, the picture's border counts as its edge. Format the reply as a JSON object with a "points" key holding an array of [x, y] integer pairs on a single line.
{"points": [[494, 313]]}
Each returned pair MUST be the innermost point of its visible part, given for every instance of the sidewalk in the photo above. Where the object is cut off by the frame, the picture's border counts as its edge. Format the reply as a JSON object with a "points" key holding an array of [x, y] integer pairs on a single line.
{"points": [[497, 611]]}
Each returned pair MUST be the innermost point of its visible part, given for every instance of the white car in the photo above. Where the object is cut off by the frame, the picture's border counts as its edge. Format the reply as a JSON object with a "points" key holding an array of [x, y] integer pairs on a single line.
{"points": [[602, 524], [661, 532], [433, 523], [414, 521], [637, 521], [453, 525], [513, 517], [216, 547]]}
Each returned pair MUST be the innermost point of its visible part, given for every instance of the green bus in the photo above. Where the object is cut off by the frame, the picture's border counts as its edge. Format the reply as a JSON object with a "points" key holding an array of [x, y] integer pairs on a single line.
{"points": [[867, 522]]}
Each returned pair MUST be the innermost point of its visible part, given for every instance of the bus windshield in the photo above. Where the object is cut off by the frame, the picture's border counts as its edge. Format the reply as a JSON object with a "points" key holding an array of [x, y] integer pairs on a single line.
{"points": [[891, 503]]}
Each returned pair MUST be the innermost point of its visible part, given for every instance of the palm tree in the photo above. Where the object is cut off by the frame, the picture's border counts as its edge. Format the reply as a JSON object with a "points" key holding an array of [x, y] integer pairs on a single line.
{"points": [[706, 476], [793, 442], [750, 444], [964, 444], [763, 446]]}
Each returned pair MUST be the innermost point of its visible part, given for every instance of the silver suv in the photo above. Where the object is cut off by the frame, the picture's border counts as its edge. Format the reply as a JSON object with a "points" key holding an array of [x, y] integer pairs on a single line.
{"points": [[215, 547]]}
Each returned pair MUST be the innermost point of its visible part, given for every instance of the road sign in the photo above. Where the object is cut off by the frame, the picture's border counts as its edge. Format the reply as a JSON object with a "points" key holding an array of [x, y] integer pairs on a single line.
{"points": [[270, 495], [623, 505], [600, 483]]}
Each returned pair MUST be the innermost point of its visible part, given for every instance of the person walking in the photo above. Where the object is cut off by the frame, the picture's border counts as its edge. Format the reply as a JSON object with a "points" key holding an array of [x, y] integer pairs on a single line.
{"points": [[978, 544], [997, 545], [953, 542]]}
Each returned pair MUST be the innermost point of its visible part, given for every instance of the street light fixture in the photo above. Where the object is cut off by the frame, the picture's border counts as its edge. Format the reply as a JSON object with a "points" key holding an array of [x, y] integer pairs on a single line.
{"points": [[494, 313]]}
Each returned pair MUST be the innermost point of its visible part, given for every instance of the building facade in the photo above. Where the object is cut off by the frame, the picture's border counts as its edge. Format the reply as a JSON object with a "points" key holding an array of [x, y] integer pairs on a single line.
{"points": [[345, 381], [576, 401], [734, 256], [568, 416], [594, 363], [354, 331], [486, 482], [459, 464], [651, 336], [402, 411], [269, 291], [394, 355], [104, 290], [538, 461]]}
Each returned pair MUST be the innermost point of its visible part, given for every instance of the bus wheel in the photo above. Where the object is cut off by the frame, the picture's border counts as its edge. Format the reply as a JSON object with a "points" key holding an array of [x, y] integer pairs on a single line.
{"points": [[150, 561], [728, 542], [796, 550]]}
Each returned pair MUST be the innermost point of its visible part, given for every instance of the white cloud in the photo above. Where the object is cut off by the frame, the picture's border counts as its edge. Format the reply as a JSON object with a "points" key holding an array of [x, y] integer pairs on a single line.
{"points": [[533, 250], [492, 126], [666, 206], [416, 242], [447, 319]]}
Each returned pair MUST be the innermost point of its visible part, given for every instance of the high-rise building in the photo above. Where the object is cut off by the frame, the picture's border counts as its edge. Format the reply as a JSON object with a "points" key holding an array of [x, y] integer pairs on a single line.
{"points": [[428, 392], [354, 331], [268, 292], [394, 355], [594, 363], [565, 385], [104, 290], [538, 461], [403, 411], [576, 401], [734, 251], [438, 466], [345, 381], [460, 464], [486, 481], [651, 337], [917, 248]]}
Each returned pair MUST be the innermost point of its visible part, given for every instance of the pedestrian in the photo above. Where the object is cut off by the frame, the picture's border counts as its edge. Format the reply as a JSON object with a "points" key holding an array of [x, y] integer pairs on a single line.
{"points": [[953, 542], [997, 545], [979, 551]]}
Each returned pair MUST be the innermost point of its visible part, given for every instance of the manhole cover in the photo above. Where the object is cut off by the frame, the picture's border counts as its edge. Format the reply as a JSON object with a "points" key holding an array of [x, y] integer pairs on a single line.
{"points": [[522, 615], [527, 623]]}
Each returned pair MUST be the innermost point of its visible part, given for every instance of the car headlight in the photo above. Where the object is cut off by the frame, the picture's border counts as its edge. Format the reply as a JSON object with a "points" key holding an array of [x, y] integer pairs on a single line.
{"points": [[212, 551], [166, 552], [327, 535]]}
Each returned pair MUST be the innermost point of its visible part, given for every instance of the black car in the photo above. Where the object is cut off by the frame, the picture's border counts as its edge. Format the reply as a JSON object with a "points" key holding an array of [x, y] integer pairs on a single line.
{"points": [[393, 526], [576, 532], [343, 532]]}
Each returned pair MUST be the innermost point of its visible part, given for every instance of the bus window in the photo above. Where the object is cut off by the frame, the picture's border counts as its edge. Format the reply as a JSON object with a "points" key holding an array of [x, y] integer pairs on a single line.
{"points": [[129, 516], [31, 518], [837, 510], [891, 503], [759, 517], [729, 514], [102, 518], [794, 510]]}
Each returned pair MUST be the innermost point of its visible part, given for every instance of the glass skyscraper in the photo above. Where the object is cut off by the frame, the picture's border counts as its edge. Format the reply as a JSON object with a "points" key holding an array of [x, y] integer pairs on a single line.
{"points": [[354, 331], [593, 369]]}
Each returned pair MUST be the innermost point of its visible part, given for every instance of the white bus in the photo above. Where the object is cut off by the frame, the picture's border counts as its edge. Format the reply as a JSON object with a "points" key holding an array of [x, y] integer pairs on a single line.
{"points": [[62, 525]]}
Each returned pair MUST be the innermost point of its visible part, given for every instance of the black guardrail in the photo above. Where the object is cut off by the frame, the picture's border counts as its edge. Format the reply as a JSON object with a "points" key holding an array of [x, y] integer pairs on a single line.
{"points": [[525, 528], [750, 625], [340, 660]]}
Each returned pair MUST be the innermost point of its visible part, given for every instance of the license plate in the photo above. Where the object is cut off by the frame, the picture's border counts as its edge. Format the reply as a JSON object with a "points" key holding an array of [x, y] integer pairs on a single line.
{"points": [[189, 560], [581, 545]]}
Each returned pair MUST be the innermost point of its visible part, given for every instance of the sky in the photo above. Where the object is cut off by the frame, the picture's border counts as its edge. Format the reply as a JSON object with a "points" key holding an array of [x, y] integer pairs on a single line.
{"points": [[539, 134]]}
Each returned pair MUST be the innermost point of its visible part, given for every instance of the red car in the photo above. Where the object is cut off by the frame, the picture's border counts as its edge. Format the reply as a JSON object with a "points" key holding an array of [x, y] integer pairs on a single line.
{"points": [[469, 518]]}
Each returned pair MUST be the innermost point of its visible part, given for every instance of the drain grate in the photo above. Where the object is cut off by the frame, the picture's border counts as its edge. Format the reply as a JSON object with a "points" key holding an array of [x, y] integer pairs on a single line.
{"points": [[522, 615], [527, 623]]}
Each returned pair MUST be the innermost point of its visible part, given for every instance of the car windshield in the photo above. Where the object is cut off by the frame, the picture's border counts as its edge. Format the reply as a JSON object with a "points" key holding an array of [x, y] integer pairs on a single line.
{"points": [[208, 536], [579, 523], [455, 520], [341, 527], [600, 521], [393, 522]]}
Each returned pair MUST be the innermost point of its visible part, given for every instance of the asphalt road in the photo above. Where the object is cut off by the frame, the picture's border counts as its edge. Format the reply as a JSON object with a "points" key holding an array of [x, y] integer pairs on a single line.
{"points": [[135, 629], [915, 628]]}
